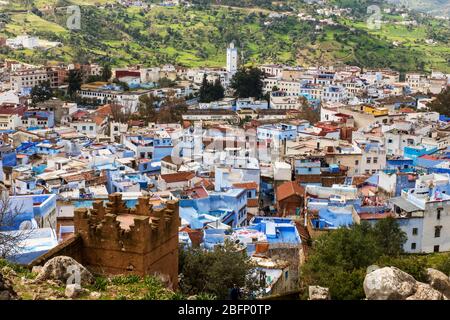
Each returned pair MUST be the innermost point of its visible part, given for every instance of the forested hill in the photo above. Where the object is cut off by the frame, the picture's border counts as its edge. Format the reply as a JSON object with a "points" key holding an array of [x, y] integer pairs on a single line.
{"points": [[436, 7], [290, 32]]}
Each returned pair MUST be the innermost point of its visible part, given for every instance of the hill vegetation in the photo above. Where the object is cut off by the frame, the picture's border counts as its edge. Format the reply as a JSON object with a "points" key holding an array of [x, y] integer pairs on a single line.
{"points": [[198, 35]]}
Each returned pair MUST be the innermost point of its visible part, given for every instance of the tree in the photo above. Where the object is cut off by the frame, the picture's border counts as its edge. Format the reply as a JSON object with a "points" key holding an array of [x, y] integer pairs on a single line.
{"points": [[122, 84], [203, 91], [247, 82], [147, 107], [339, 259], [106, 72], [75, 80], [218, 90], [172, 108], [211, 92], [120, 113], [10, 237], [390, 238], [41, 92], [442, 103], [166, 82], [307, 112], [217, 271]]}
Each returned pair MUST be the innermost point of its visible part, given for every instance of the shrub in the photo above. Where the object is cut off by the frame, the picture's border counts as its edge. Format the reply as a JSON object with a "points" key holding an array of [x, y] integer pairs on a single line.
{"points": [[100, 283]]}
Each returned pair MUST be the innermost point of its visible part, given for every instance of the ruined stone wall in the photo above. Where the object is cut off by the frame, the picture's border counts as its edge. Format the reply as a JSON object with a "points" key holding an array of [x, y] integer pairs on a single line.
{"points": [[142, 240]]}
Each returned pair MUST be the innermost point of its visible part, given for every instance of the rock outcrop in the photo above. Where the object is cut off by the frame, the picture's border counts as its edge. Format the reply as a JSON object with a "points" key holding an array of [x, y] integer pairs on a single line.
{"points": [[390, 283], [439, 281], [6, 290], [62, 268], [425, 292], [318, 293]]}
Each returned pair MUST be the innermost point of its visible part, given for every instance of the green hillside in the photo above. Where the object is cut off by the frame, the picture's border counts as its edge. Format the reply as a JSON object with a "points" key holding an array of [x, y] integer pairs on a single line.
{"points": [[198, 36]]}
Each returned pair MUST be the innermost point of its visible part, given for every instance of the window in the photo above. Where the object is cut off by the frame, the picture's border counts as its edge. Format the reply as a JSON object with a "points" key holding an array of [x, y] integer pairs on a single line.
{"points": [[368, 160], [439, 210], [436, 249], [286, 274], [437, 231], [84, 128], [389, 140], [415, 231], [356, 162], [375, 160], [413, 246]]}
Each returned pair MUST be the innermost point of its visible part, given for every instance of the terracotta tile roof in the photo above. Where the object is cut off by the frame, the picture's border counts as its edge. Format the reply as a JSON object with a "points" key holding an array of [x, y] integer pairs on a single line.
{"points": [[196, 236], [357, 180], [103, 111], [167, 159], [252, 203], [19, 110], [177, 177], [197, 192], [246, 185], [74, 177], [88, 176], [136, 123], [288, 189], [370, 216], [79, 114], [206, 183], [406, 110], [428, 157]]}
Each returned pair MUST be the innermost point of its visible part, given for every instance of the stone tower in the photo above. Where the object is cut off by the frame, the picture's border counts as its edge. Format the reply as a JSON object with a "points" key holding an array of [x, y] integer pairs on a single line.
{"points": [[232, 59], [118, 240]]}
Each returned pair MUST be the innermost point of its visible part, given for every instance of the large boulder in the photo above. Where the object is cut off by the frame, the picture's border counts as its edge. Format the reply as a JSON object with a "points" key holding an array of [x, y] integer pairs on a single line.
{"points": [[64, 268], [389, 283], [318, 293], [425, 292], [6, 290], [439, 281]]}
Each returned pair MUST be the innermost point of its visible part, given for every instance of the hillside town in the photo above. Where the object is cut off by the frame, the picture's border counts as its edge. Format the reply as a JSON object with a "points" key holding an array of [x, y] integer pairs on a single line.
{"points": [[119, 168]]}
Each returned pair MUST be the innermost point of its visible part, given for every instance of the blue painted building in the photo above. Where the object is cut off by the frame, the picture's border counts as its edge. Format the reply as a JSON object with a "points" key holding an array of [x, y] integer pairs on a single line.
{"points": [[36, 211], [330, 213], [119, 181], [8, 156], [277, 132], [149, 149], [228, 207], [250, 103], [38, 119], [275, 231], [308, 167], [48, 148], [415, 152], [400, 164]]}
